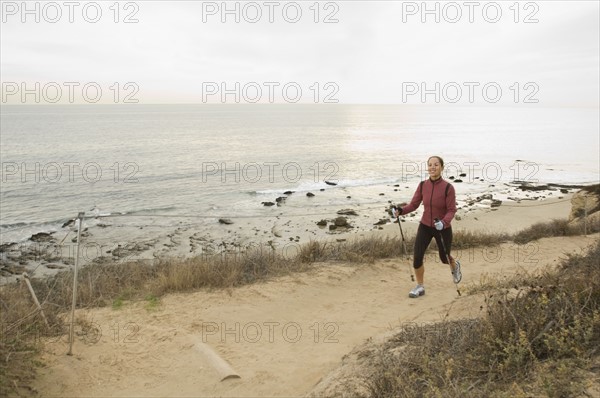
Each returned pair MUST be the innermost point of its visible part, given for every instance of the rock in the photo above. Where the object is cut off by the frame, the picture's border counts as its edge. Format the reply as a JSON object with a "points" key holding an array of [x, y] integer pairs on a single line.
{"points": [[322, 189], [330, 183], [42, 237], [4, 247], [571, 186], [348, 197], [488, 196], [11, 269], [397, 185], [458, 180], [462, 175], [268, 203], [288, 192], [280, 199], [322, 223], [225, 221], [347, 212], [332, 227], [275, 232], [310, 194], [341, 222], [451, 178], [68, 223], [587, 199], [381, 194], [457, 217], [382, 221], [564, 190], [527, 186], [496, 203]]}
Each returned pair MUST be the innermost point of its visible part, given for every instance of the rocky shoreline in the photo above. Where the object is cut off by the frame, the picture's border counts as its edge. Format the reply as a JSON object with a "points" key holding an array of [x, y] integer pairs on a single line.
{"points": [[46, 253]]}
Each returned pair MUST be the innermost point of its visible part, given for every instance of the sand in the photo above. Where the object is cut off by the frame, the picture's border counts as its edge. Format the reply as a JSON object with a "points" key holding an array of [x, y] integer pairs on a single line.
{"points": [[286, 227], [283, 336]]}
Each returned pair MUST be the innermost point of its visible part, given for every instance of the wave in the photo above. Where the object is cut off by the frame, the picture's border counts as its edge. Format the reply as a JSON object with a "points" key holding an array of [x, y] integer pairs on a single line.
{"points": [[313, 186], [148, 210], [22, 231]]}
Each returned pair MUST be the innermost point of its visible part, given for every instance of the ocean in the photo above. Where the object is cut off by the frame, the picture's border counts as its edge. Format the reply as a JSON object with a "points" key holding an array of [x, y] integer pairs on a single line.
{"points": [[198, 163]]}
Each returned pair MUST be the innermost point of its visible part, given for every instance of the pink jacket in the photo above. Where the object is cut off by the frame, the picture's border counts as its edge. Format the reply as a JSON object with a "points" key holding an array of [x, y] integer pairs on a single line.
{"points": [[438, 203]]}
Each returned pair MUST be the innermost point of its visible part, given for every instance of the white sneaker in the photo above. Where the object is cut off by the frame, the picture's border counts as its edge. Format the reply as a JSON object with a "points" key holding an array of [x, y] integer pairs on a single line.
{"points": [[419, 290], [456, 274]]}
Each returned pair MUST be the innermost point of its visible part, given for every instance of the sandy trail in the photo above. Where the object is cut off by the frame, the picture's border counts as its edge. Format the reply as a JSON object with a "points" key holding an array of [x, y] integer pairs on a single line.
{"points": [[281, 336]]}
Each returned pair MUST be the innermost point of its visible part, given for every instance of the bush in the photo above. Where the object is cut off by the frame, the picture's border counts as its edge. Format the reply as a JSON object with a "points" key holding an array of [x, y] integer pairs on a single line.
{"points": [[534, 340]]}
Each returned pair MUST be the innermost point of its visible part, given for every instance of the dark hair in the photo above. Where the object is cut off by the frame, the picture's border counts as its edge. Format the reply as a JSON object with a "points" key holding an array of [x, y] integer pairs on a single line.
{"points": [[435, 156]]}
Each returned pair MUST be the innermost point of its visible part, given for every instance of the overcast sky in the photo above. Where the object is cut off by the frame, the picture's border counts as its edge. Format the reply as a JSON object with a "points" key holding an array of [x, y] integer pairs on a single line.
{"points": [[375, 52]]}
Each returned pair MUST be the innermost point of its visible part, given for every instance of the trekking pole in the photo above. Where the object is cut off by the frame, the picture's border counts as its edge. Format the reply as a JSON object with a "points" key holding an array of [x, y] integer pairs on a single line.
{"points": [[447, 258], [412, 270]]}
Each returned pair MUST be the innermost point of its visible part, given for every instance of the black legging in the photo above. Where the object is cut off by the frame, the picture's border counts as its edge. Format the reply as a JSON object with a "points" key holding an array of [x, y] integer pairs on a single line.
{"points": [[423, 239]]}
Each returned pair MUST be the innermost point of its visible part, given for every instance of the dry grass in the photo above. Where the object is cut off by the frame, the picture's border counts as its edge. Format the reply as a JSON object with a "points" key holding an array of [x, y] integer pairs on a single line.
{"points": [[536, 341], [468, 239], [105, 283], [556, 227]]}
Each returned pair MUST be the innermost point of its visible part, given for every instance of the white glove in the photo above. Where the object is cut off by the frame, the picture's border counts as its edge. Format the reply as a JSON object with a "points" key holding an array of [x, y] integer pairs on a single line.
{"points": [[439, 225], [394, 212]]}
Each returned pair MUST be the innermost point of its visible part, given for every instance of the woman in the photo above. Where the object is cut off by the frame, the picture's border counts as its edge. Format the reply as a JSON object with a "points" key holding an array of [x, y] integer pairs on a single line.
{"points": [[439, 199]]}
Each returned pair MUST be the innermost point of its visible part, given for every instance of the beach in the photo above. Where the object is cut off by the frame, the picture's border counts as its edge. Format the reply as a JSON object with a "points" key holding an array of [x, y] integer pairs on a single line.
{"points": [[296, 220], [285, 335], [157, 181]]}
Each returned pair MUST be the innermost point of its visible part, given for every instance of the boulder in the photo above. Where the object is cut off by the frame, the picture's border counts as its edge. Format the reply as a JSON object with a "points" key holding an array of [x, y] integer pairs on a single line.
{"points": [[496, 203], [587, 199], [69, 223], [341, 222], [225, 221], [310, 194], [41, 237], [527, 186]]}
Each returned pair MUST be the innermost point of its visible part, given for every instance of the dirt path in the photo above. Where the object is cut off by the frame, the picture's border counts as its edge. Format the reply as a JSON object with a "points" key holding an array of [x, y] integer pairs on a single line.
{"points": [[282, 336]]}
